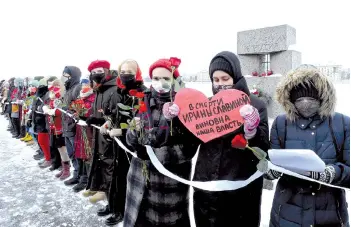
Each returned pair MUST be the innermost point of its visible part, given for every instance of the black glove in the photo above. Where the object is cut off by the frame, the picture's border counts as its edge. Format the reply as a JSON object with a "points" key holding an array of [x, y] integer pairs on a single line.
{"points": [[29, 123], [95, 121]]}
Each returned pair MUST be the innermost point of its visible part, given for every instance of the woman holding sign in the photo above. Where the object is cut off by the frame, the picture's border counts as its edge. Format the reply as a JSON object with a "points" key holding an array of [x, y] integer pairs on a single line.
{"points": [[218, 160], [309, 99], [152, 198]]}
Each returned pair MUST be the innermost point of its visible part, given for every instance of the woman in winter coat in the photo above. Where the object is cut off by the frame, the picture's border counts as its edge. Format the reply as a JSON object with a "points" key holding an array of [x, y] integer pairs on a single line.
{"points": [[38, 122], [309, 99], [103, 81], [55, 124], [128, 81], [83, 108], [152, 198], [218, 160]]}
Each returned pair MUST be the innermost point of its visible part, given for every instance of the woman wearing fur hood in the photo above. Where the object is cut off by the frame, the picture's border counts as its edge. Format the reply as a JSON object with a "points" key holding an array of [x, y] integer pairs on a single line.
{"points": [[309, 100]]}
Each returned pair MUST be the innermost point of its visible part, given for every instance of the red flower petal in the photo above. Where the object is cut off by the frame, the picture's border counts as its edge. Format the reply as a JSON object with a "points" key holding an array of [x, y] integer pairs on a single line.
{"points": [[239, 141], [142, 107], [139, 95], [175, 61], [133, 92]]}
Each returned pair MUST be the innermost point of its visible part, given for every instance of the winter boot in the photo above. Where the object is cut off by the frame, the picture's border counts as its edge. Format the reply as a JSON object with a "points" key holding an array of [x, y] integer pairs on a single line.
{"points": [[65, 171], [59, 174], [23, 138], [79, 187], [74, 180], [88, 193], [114, 219], [104, 211], [45, 164], [23, 131], [55, 167], [97, 197], [29, 138], [38, 156]]}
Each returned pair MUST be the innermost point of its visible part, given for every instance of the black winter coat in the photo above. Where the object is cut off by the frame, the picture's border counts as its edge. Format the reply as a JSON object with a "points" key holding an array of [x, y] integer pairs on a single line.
{"points": [[38, 119], [100, 176], [217, 160], [73, 88]]}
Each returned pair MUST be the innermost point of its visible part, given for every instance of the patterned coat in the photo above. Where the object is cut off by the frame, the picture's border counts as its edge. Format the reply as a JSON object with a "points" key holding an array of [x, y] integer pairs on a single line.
{"points": [[152, 198]]}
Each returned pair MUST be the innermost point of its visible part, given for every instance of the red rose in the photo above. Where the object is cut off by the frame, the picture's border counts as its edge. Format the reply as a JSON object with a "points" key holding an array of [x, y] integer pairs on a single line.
{"points": [[139, 95], [142, 107], [133, 92], [263, 74], [255, 73], [239, 142], [270, 72], [175, 62]]}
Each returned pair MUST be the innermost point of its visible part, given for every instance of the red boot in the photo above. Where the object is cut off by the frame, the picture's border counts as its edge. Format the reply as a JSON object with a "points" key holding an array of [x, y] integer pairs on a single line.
{"points": [[65, 171], [59, 174]]}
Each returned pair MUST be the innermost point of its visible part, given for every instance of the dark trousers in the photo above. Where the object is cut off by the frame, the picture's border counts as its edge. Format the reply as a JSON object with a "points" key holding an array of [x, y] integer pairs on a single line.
{"points": [[54, 152], [84, 168]]}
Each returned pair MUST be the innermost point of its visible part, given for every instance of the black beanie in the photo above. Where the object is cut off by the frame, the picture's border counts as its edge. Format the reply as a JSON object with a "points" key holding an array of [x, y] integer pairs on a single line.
{"points": [[303, 90], [222, 64]]}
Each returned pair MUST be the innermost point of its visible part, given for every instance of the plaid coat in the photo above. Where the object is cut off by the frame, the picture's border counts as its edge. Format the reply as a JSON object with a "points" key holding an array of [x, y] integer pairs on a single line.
{"points": [[152, 198]]}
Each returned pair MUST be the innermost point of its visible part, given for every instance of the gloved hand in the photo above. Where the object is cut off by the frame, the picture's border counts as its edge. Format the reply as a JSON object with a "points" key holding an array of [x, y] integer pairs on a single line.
{"points": [[45, 109], [170, 110], [105, 127], [327, 176], [136, 122], [115, 132], [251, 120], [262, 166]]}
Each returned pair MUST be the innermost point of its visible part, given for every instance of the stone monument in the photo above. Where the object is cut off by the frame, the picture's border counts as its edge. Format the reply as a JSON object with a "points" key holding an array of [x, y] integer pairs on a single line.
{"points": [[265, 58]]}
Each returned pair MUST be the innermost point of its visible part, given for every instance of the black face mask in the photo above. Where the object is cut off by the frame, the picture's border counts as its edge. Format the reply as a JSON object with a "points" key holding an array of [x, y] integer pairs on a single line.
{"points": [[128, 80], [97, 77], [218, 88]]}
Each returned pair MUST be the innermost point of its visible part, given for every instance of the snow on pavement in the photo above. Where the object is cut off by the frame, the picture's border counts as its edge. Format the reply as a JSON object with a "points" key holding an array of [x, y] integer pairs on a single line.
{"points": [[33, 197]]}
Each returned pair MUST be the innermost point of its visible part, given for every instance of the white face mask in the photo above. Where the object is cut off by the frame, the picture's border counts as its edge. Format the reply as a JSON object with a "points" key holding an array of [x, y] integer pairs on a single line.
{"points": [[161, 86]]}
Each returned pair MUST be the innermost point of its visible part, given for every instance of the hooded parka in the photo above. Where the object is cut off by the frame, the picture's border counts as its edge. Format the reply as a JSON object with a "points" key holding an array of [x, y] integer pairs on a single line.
{"points": [[301, 203]]}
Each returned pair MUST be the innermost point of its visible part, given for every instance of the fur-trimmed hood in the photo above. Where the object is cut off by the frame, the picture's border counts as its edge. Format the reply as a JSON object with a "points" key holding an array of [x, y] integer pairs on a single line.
{"points": [[325, 88]]}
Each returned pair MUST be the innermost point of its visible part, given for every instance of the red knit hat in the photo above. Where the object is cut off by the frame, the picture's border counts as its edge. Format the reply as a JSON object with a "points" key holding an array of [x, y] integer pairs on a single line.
{"points": [[164, 63], [99, 64]]}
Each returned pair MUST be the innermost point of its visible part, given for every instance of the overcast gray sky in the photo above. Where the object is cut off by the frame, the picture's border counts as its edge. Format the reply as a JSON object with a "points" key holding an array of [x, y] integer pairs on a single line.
{"points": [[41, 37]]}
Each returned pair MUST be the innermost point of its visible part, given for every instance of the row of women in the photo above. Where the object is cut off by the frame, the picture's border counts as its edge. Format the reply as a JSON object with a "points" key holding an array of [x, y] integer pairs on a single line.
{"points": [[116, 104]]}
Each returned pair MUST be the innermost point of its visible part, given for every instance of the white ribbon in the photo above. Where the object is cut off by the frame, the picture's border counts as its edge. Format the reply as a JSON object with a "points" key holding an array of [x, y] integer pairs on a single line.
{"points": [[218, 185]]}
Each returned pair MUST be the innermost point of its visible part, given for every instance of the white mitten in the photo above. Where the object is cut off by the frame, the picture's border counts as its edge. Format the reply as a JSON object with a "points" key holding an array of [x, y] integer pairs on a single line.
{"points": [[115, 132], [45, 109]]}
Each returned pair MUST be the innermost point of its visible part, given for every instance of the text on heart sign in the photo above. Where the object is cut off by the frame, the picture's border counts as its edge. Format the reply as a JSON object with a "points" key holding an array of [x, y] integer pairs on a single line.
{"points": [[215, 109]]}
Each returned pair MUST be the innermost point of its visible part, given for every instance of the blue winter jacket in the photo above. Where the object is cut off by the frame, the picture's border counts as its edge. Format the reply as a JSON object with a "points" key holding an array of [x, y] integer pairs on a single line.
{"points": [[302, 203]]}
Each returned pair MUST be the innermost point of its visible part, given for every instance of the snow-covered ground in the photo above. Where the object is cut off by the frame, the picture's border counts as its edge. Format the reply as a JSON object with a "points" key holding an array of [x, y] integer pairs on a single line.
{"points": [[33, 197]]}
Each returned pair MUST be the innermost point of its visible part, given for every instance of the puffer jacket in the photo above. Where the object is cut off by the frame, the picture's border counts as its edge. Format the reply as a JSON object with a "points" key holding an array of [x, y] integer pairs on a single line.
{"points": [[218, 160], [73, 88], [302, 203]]}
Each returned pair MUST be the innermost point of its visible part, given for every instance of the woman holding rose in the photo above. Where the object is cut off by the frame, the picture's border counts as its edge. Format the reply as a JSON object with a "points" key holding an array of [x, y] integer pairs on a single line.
{"points": [[152, 198]]}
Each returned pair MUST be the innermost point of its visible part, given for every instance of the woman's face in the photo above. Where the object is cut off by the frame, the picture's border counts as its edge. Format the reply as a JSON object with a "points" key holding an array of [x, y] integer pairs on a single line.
{"points": [[128, 68], [161, 80], [222, 78], [159, 74]]}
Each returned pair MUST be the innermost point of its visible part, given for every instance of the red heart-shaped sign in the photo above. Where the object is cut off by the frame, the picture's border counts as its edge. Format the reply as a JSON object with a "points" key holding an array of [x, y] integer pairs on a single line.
{"points": [[210, 118]]}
